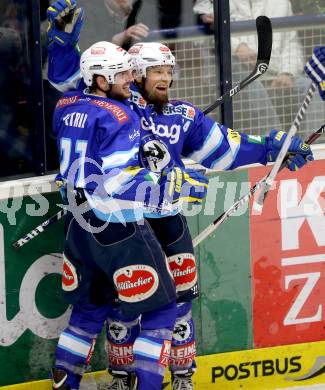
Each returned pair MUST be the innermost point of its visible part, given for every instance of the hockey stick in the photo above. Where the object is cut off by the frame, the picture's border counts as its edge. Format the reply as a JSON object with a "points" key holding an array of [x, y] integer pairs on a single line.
{"points": [[264, 36], [258, 203], [244, 199], [264, 182], [39, 229], [200, 237]]}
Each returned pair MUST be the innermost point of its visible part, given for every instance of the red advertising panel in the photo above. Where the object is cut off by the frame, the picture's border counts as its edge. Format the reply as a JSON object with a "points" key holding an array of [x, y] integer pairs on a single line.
{"points": [[288, 258]]}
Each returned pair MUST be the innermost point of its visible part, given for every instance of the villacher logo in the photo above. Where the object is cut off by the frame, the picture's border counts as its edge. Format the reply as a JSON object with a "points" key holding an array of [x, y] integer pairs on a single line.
{"points": [[136, 283]]}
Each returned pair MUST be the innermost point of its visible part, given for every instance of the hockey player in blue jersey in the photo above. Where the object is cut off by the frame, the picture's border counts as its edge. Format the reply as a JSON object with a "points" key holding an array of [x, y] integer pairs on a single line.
{"points": [[111, 252], [169, 130]]}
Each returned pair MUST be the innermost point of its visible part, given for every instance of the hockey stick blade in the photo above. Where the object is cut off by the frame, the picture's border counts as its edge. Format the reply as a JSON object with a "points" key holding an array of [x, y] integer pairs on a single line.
{"points": [[244, 199], [264, 36], [258, 204], [39, 229]]}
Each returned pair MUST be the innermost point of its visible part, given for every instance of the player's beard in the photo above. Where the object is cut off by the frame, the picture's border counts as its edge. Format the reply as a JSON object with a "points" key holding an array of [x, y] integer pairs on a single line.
{"points": [[158, 100], [118, 94]]}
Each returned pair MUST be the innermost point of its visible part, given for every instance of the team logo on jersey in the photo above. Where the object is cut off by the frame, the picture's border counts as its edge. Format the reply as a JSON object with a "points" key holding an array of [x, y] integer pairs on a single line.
{"points": [[184, 349], [183, 268], [118, 332], [154, 153], [136, 283], [183, 332], [69, 275]]}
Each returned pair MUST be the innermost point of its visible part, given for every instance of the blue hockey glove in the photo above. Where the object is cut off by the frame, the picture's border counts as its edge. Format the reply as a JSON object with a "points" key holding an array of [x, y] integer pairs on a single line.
{"points": [[187, 185], [315, 69], [299, 152], [65, 22]]}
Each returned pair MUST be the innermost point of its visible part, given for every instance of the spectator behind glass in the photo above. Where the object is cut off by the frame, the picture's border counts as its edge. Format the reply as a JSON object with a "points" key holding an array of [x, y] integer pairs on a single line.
{"points": [[311, 37], [15, 120], [254, 100], [205, 16], [301, 7], [284, 80], [112, 20], [133, 31]]}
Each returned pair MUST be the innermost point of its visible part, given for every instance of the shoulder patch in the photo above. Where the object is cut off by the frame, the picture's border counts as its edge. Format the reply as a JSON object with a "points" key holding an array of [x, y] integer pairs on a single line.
{"points": [[138, 99], [174, 108], [234, 136], [116, 110], [67, 100]]}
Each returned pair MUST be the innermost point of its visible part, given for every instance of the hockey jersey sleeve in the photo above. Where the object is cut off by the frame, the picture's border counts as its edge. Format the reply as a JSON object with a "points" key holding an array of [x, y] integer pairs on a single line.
{"points": [[218, 147], [127, 188], [64, 67], [119, 154]]}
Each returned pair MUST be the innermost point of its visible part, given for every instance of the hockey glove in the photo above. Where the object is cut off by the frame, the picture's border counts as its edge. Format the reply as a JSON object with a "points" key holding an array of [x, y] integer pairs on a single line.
{"points": [[65, 22], [187, 185], [299, 152], [315, 69]]}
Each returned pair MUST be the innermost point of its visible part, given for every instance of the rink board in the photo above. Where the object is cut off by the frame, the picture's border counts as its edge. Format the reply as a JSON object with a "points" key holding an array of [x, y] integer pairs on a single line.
{"points": [[260, 369], [260, 286], [288, 259]]}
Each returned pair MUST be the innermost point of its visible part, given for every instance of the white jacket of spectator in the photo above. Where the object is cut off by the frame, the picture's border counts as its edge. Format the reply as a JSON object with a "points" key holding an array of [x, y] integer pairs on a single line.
{"points": [[203, 7], [286, 50]]}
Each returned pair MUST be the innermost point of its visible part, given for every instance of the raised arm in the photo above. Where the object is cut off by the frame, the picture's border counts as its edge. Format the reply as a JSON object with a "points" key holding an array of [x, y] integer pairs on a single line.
{"points": [[219, 147], [65, 23]]}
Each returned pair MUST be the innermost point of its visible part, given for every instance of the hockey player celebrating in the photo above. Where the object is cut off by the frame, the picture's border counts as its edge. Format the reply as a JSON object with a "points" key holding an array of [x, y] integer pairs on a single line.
{"points": [[98, 140], [169, 130], [315, 69]]}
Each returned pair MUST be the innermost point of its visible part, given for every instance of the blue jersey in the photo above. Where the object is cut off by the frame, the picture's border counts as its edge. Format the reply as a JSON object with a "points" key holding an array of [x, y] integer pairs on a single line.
{"points": [[184, 131], [177, 130], [98, 139]]}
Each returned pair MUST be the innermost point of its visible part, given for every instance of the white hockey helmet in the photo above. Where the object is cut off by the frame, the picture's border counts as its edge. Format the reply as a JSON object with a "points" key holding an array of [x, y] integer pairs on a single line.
{"points": [[104, 59], [148, 54]]}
